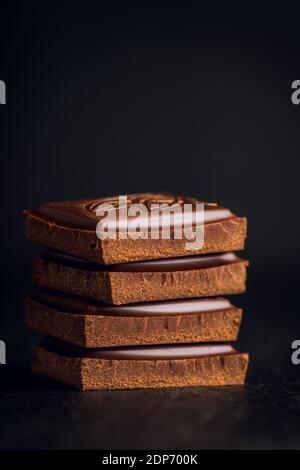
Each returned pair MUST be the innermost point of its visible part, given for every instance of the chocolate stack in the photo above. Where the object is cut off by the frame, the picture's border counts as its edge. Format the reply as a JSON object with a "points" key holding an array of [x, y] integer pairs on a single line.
{"points": [[135, 313]]}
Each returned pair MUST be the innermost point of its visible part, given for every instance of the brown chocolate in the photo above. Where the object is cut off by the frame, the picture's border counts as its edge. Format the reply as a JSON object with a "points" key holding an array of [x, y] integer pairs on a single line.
{"points": [[140, 367], [82, 214], [70, 227], [184, 263], [93, 324], [197, 276], [73, 304], [137, 353]]}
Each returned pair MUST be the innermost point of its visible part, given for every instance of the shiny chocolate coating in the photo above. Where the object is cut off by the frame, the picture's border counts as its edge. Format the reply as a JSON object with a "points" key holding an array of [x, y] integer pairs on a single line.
{"points": [[82, 214], [155, 353], [77, 305], [184, 263]]}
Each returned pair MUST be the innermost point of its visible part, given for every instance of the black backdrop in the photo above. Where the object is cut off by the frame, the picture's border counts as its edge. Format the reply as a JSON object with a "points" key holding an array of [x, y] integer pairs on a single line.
{"points": [[107, 100]]}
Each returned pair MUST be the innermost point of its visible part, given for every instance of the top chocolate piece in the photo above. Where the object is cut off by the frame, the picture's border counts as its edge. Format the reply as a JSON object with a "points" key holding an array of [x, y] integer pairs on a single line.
{"points": [[82, 214], [70, 227]]}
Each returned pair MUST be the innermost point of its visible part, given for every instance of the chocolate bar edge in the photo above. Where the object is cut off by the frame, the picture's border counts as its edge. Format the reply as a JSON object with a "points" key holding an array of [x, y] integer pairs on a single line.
{"points": [[104, 331], [97, 374], [226, 235], [131, 287]]}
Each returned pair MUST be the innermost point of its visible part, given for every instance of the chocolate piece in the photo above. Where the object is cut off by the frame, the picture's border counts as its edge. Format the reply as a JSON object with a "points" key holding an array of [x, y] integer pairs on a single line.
{"points": [[140, 367], [197, 276], [82, 214], [93, 324], [70, 227]]}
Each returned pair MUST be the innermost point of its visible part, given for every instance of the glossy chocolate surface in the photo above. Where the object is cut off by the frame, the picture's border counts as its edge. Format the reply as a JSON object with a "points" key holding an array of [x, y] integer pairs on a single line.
{"points": [[155, 353], [184, 263], [72, 304], [82, 214]]}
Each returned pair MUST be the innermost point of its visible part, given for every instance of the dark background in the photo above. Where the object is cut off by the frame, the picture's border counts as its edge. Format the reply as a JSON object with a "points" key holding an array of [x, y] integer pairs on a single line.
{"points": [[114, 100]]}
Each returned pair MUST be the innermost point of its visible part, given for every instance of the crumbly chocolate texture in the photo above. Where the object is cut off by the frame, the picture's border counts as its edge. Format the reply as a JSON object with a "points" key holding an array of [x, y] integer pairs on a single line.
{"points": [[122, 287], [85, 373], [70, 227], [107, 330]]}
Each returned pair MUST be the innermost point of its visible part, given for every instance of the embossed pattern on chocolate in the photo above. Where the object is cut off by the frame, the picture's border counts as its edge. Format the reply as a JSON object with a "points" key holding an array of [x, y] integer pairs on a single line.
{"points": [[82, 213]]}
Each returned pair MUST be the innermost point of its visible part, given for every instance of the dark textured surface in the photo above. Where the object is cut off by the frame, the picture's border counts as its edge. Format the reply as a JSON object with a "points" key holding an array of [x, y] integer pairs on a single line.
{"points": [[265, 413]]}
